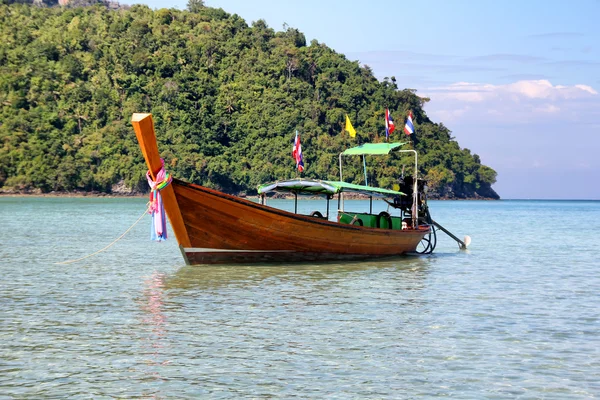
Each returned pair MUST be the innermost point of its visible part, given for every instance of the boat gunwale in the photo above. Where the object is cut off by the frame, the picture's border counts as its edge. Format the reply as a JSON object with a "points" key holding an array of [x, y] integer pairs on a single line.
{"points": [[422, 229]]}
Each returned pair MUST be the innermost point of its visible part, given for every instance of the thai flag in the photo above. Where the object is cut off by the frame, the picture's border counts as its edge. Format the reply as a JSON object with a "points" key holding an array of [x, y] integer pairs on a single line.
{"points": [[389, 124], [409, 128], [297, 153]]}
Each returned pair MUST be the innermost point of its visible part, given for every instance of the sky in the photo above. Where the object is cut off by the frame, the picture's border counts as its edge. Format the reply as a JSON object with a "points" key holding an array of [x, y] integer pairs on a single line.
{"points": [[517, 82]]}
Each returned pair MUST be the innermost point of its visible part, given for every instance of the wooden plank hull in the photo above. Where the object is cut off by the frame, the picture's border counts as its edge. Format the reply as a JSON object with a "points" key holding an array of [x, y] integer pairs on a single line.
{"points": [[223, 229]]}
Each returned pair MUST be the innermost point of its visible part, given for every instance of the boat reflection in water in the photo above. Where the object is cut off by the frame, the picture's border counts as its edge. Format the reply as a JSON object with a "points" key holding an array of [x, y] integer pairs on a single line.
{"points": [[154, 320], [214, 277]]}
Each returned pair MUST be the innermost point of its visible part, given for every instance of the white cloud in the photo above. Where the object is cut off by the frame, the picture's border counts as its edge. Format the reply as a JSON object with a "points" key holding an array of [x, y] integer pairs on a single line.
{"points": [[533, 89], [446, 115], [541, 89], [520, 101], [586, 88], [548, 108]]}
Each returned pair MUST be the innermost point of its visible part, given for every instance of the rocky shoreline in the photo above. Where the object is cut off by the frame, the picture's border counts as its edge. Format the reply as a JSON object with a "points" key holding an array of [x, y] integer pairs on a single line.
{"points": [[133, 194], [71, 194]]}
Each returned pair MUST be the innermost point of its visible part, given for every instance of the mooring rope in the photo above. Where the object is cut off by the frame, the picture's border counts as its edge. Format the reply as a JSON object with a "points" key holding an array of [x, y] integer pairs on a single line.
{"points": [[113, 242], [154, 207]]}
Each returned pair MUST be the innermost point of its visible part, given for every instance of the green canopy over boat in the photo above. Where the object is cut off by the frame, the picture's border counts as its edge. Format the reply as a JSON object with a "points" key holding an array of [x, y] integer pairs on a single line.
{"points": [[329, 188], [372, 149]]}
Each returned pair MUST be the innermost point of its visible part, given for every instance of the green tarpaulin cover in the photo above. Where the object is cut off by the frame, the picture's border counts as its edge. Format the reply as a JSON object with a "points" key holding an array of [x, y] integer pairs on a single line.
{"points": [[312, 186], [372, 149]]}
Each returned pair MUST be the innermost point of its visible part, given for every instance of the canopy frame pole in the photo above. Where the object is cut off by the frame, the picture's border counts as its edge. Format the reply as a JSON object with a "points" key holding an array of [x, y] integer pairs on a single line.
{"points": [[365, 168], [340, 195], [415, 206], [295, 203]]}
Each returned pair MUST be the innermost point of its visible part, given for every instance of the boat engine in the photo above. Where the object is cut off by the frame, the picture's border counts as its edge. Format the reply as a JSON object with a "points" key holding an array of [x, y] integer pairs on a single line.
{"points": [[405, 204]]}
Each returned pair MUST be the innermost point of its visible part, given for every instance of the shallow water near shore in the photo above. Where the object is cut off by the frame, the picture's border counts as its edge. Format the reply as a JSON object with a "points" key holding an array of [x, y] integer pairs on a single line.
{"points": [[515, 316]]}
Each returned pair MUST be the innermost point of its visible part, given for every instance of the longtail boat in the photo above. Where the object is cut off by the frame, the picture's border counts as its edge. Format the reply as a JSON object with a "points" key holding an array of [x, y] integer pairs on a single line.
{"points": [[212, 227]]}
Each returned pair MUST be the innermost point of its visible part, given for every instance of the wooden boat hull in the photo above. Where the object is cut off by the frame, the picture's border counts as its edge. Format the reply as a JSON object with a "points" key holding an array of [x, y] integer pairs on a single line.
{"points": [[212, 227], [223, 229]]}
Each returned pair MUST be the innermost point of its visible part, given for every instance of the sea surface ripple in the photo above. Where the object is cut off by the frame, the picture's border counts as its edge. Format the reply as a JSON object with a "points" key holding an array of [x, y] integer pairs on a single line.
{"points": [[515, 316]]}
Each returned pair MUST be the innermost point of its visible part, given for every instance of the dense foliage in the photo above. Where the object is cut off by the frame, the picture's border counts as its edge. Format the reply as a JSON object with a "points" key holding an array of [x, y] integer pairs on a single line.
{"points": [[226, 99]]}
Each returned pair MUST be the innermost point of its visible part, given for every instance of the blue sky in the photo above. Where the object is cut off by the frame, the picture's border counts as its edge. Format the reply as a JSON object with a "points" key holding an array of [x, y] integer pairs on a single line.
{"points": [[517, 82]]}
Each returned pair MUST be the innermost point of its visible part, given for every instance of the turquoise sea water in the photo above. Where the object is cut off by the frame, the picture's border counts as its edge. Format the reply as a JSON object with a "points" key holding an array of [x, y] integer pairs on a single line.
{"points": [[516, 316]]}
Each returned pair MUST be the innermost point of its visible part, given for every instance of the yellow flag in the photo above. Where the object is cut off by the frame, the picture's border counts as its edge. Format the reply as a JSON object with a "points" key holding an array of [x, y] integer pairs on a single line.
{"points": [[349, 127]]}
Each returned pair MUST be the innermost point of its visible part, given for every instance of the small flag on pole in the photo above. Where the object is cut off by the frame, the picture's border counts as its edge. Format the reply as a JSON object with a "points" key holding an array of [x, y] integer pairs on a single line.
{"points": [[389, 124], [409, 128], [349, 127], [297, 153]]}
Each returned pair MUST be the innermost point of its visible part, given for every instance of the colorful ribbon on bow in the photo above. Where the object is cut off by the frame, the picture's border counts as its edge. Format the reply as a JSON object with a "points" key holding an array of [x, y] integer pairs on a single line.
{"points": [[155, 206]]}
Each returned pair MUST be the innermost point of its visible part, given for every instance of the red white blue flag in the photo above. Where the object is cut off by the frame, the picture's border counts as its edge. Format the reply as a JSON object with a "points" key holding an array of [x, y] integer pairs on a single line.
{"points": [[389, 124], [297, 153], [409, 128]]}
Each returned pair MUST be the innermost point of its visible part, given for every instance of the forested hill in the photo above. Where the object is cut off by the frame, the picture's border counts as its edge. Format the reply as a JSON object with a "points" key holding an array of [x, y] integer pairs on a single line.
{"points": [[226, 98]]}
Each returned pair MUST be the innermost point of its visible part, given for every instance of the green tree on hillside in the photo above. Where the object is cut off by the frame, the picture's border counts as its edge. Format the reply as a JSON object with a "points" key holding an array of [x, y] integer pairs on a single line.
{"points": [[226, 98]]}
